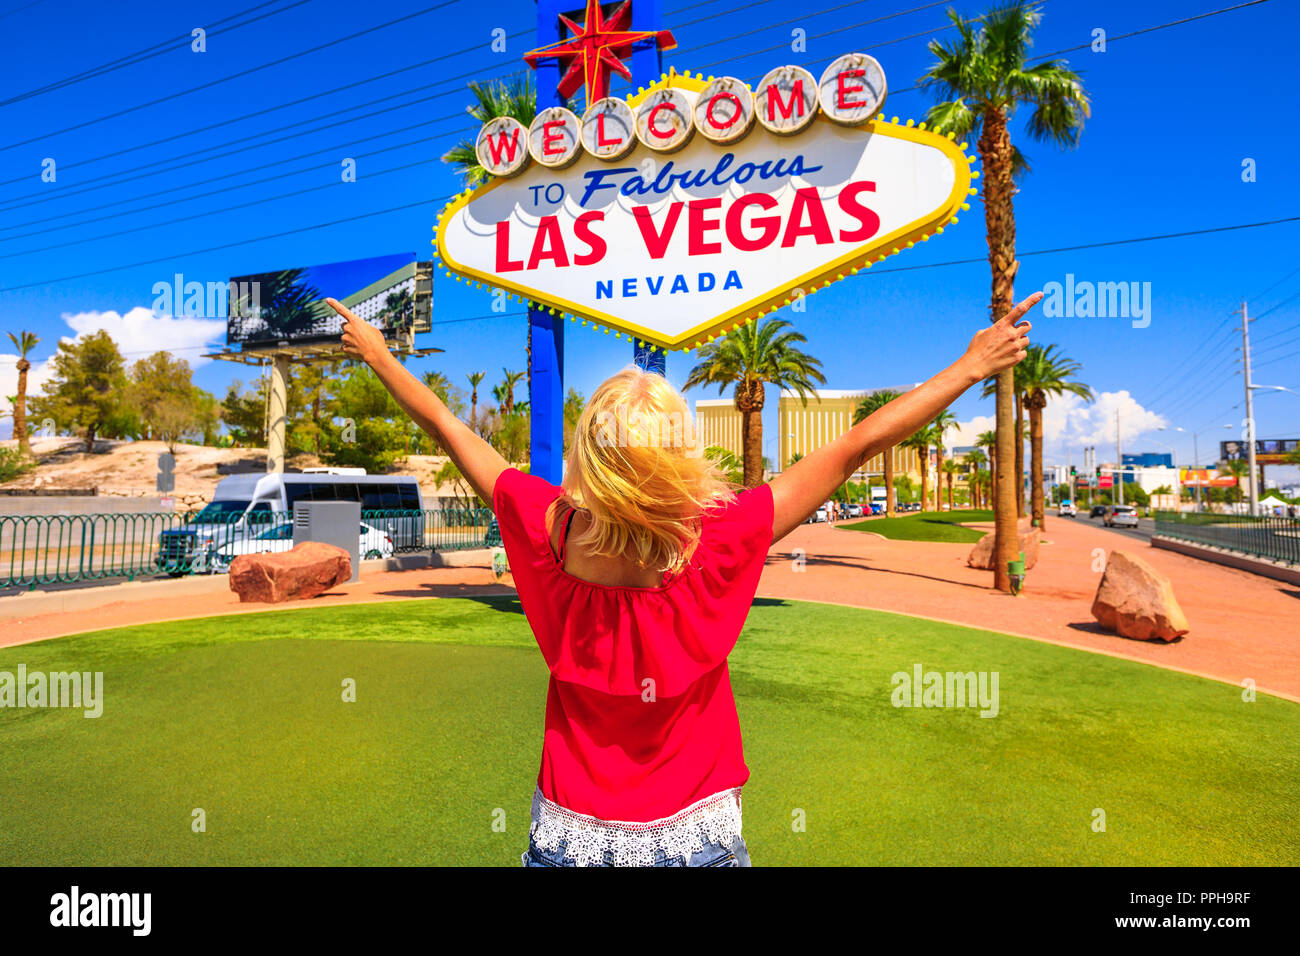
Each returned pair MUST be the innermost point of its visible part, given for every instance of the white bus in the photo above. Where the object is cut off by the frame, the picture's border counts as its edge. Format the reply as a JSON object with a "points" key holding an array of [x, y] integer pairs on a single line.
{"points": [[253, 503]]}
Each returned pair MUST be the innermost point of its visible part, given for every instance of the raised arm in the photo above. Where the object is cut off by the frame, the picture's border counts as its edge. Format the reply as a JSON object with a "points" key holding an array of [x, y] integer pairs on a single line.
{"points": [[801, 488], [478, 461]]}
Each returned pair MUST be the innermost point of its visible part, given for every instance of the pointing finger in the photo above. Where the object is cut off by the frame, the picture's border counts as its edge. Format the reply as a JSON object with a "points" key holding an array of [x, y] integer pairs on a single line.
{"points": [[1021, 308], [342, 310]]}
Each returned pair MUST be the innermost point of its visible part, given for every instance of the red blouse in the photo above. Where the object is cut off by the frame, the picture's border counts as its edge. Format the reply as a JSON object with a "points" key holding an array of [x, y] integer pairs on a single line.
{"points": [[609, 751]]}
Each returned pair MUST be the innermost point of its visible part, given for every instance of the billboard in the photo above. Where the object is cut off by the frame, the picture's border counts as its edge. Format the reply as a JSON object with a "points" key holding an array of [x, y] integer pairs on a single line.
{"points": [[391, 292], [1268, 451], [1205, 478], [696, 206]]}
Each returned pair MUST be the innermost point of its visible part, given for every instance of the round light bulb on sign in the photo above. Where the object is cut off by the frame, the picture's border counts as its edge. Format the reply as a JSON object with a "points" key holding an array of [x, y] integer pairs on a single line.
{"points": [[786, 100], [664, 120], [608, 128], [554, 138], [853, 89], [502, 146], [724, 111]]}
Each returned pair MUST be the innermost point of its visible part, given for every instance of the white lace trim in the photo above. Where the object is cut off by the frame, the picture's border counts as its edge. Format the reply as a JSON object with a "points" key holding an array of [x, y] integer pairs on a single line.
{"points": [[715, 819]]}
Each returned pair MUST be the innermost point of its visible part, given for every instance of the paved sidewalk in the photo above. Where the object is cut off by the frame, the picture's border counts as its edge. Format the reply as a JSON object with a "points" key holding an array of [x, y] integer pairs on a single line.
{"points": [[1242, 625]]}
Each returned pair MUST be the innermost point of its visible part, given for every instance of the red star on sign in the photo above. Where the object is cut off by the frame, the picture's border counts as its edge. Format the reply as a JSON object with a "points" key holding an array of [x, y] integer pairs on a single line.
{"points": [[595, 48]]}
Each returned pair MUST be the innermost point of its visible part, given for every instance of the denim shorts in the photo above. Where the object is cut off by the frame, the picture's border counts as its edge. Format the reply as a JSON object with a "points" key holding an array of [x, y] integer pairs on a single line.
{"points": [[734, 853]]}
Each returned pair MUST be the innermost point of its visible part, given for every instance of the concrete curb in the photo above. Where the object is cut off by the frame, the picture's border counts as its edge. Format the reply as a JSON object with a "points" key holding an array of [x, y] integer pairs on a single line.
{"points": [[1230, 559]]}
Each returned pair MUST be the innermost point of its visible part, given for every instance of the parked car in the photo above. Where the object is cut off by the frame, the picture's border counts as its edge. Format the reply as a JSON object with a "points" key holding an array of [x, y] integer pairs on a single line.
{"points": [[1098, 511], [877, 508], [1066, 509], [855, 510], [374, 543], [1121, 516], [818, 515]]}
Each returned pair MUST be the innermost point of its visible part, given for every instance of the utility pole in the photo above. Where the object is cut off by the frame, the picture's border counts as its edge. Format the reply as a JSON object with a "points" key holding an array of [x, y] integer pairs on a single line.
{"points": [[1119, 461], [1252, 490]]}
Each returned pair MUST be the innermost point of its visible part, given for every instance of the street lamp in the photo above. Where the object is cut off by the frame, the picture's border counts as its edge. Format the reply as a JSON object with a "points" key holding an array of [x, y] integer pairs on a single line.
{"points": [[1276, 388]]}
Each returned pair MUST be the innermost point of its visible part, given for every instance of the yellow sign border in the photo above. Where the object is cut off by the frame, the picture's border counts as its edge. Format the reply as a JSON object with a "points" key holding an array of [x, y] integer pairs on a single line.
{"points": [[862, 257]]}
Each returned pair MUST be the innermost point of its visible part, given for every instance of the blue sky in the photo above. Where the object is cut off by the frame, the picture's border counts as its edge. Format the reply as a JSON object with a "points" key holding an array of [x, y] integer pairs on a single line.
{"points": [[1176, 112]]}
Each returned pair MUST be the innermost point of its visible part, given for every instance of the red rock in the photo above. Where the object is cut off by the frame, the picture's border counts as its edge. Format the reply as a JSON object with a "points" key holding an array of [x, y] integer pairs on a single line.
{"points": [[311, 568], [981, 556], [1135, 600]]}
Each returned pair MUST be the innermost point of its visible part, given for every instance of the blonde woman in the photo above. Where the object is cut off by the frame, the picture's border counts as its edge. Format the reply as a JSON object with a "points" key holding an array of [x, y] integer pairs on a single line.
{"points": [[636, 576]]}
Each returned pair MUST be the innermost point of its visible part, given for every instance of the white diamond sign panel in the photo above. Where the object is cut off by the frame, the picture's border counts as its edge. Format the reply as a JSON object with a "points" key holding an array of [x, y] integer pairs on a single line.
{"points": [[676, 247]]}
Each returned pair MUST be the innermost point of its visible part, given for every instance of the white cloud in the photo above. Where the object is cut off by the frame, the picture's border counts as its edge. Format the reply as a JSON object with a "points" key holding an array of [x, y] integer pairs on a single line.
{"points": [[1070, 423], [138, 333]]}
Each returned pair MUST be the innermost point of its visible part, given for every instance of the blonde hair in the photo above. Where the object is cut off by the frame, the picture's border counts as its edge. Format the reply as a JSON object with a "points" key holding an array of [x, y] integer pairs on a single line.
{"points": [[638, 470]]}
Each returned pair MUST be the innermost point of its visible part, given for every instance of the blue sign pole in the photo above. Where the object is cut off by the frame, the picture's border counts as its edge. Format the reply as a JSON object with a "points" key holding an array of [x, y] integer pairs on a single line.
{"points": [[647, 67], [546, 331]]}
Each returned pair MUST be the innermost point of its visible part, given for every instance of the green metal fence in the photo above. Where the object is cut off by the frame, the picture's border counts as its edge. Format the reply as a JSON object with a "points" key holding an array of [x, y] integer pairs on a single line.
{"points": [[67, 549], [1270, 536]]}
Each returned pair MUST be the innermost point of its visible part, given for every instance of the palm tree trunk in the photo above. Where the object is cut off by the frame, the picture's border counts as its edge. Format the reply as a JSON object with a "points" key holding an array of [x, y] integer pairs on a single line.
{"points": [[752, 436], [925, 480], [1037, 505], [1020, 456], [749, 399], [938, 477], [890, 511], [1000, 230], [20, 409]]}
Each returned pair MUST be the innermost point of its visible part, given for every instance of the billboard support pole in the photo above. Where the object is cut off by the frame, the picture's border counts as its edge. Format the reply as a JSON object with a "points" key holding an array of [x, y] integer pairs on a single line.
{"points": [[647, 66], [277, 399], [546, 331]]}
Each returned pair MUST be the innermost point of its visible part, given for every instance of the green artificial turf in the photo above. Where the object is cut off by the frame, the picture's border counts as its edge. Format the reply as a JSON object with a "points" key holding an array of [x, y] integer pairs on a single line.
{"points": [[436, 760], [926, 526]]}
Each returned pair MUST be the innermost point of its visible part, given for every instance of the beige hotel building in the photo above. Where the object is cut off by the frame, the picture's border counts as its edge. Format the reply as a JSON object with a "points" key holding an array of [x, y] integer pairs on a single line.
{"points": [[802, 427]]}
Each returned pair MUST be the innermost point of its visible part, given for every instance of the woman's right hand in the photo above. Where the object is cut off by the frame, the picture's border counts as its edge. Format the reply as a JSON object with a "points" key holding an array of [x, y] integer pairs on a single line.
{"points": [[1001, 345]]}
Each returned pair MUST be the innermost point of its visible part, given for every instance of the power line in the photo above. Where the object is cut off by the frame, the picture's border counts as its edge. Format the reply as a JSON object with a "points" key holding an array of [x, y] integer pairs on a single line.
{"points": [[233, 76], [272, 109], [140, 56], [805, 17], [726, 13], [233, 152], [1261, 295], [1110, 39], [874, 46], [227, 189], [228, 245], [214, 212], [10, 13], [1289, 298]]}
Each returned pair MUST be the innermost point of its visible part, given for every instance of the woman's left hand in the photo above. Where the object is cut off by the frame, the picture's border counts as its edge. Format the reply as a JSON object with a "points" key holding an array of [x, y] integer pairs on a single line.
{"points": [[360, 338]]}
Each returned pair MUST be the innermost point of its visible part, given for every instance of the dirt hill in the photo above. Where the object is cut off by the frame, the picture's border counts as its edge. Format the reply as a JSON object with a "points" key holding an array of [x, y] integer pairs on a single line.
{"points": [[130, 468]]}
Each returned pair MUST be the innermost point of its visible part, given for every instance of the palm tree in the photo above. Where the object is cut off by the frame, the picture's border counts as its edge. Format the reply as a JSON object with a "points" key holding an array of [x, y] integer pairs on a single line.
{"points": [[950, 471], [868, 406], [989, 440], [982, 77], [1044, 373], [920, 441], [474, 379], [514, 97], [753, 356], [1239, 468], [942, 422], [24, 342], [977, 460], [508, 390]]}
